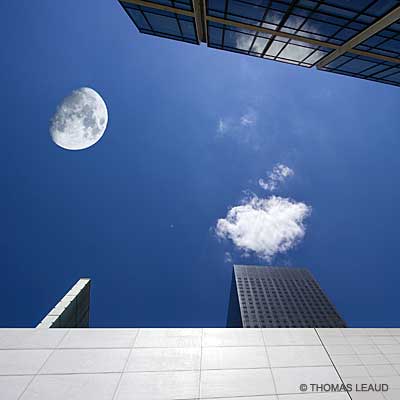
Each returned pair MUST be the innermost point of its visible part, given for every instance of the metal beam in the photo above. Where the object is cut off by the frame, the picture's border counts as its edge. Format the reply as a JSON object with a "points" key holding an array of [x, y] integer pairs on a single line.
{"points": [[374, 55], [198, 7], [204, 16], [376, 27]]}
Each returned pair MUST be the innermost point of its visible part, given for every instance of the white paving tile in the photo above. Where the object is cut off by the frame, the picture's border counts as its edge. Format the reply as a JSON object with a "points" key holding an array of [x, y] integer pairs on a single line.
{"points": [[30, 338], [290, 336], [377, 331], [351, 371], [393, 358], [11, 387], [371, 359], [334, 339], [297, 356], [85, 361], [366, 349], [337, 349], [236, 337], [366, 396], [315, 396], [325, 332], [389, 348], [288, 380], [354, 331], [384, 340], [397, 368], [362, 340], [159, 386], [234, 357], [236, 382], [392, 394], [164, 359], [268, 397], [358, 380], [98, 338], [392, 381], [381, 370], [346, 359], [22, 362], [366, 332], [168, 338], [72, 387]]}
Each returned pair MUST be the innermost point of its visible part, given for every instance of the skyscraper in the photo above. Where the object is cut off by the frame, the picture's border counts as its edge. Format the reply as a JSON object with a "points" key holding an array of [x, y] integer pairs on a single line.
{"points": [[356, 38], [279, 297]]}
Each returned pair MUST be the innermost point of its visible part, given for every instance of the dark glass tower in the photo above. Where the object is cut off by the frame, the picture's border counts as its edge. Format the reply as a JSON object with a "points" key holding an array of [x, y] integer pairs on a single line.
{"points": [[279, 297]]}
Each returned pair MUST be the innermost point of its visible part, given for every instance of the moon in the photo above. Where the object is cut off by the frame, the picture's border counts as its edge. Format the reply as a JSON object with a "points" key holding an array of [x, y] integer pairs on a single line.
{"points": [[80, 120]]}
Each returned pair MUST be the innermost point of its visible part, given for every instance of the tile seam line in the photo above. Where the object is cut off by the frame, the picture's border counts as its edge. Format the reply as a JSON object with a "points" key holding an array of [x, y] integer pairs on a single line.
{"points": [[43, 364], [181, 347], [126, 363], [255, 396], [172, 370], [333, 364], [69, 348], [269, 362], [201, 360], [66, 373], [259, 396]]}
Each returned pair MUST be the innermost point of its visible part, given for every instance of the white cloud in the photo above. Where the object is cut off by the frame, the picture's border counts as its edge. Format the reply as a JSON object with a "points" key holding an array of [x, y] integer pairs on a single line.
{"points": [[245, 42], [228, 258], [264, 227], [238, 126], [250, 118], [279, 174], [223, 126], [281, 47]]}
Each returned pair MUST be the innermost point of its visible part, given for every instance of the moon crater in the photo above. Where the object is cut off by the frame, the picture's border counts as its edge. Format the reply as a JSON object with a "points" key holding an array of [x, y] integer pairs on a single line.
{"points": [[80, 120]]}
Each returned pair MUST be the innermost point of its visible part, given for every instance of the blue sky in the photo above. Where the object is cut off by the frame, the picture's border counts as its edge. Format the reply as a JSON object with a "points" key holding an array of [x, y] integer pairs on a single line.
{"points": [[137, 211]]}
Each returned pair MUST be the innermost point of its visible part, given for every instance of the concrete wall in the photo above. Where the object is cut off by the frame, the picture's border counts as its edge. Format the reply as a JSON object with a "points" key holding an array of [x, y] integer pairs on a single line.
{"points": [[72, 311], [172, 364]]}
